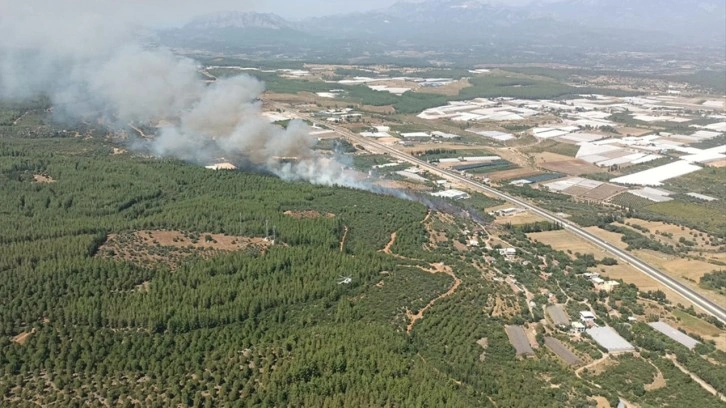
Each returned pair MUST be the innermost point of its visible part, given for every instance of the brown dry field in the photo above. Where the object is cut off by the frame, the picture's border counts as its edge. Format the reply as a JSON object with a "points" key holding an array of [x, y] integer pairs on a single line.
{"points": [[564, 164], [23, 337], [43, 179], [451, 89], [644, 282], [603, 192], [388, 140], [720, 163], [633, 131], [576, 190], [512, 174], [307, 214], [612, 237], [563, 241], [403, 185], [385, 109], [688, 271], [676, 230], [171, 247], [601, 402], [518, 219]]}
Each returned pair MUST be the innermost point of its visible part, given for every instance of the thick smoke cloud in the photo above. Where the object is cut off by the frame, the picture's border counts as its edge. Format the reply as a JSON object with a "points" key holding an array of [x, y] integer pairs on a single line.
{"points": [[95, 70]]}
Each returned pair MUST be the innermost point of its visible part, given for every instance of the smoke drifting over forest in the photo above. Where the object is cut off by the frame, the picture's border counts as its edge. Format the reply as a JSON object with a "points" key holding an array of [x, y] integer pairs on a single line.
{"points": [[93, 70]]}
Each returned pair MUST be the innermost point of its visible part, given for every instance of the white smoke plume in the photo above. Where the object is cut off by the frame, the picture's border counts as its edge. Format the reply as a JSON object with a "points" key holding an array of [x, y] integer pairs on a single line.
{"points": [[94, 69]]}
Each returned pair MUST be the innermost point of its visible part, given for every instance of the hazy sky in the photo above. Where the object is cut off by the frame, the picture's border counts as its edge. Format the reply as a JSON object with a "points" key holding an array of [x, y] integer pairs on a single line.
{"points": [[176, 12]]}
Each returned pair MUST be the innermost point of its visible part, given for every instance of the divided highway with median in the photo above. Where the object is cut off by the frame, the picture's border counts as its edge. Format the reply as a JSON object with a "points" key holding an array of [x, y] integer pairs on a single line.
{"points": [[701, 302]]}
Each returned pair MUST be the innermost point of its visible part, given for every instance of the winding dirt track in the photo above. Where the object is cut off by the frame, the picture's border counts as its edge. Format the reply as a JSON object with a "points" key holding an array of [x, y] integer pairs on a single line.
{"points": [[387, 249], [706, 386], [437, 268]]}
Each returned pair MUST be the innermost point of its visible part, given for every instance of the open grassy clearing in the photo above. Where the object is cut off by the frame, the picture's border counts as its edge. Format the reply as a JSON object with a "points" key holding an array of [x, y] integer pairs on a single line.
{"points": [[171, 247]]}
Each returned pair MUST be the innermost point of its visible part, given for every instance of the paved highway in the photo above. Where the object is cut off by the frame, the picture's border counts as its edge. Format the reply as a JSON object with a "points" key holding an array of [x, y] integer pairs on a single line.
{"points": [[706, 305]]}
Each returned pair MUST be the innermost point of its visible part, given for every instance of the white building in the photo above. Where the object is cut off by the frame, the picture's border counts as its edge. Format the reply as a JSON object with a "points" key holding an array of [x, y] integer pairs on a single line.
{"points": [[587, 317], [452, 194]]}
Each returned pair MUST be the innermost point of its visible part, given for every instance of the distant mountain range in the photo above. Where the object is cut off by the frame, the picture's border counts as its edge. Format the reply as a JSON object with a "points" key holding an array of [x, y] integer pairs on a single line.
{"points": [[567, 26]]}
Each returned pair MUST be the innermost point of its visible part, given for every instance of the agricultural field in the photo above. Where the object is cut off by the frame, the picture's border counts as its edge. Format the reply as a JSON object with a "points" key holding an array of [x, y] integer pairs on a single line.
{"points": [[135, 280]]}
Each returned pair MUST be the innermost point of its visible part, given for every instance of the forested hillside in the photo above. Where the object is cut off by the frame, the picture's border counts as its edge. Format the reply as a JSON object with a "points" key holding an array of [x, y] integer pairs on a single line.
{"points": [[269, 325]]}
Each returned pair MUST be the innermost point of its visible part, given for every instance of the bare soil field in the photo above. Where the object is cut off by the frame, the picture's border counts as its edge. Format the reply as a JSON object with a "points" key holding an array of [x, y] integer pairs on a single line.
{"points": [[384, 109], [601, 402], [565, 241], [23, 337], [693, 324], [117, 151], [171, 247], [43, 179], [644, 282], [564, 164], [633, 131], [518, 219], [401, 185], [451, 89], [307, 214], [688, 271], [603, 192], [388, 140], [720, 163], [576, 191], [677, 231], [513, 174], [612, 237]]}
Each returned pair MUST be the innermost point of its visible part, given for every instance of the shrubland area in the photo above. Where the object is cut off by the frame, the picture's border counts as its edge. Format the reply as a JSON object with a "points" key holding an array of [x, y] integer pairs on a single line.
{"points": [[136, 281]]}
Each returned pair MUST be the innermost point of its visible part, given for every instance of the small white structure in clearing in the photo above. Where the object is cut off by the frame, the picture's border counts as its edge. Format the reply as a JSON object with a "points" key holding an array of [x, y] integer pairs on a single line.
{"points": [[587, 316], [675, 334], [577, 327], [702, 197], [609, 339], [452, 194], [508, 251]]}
